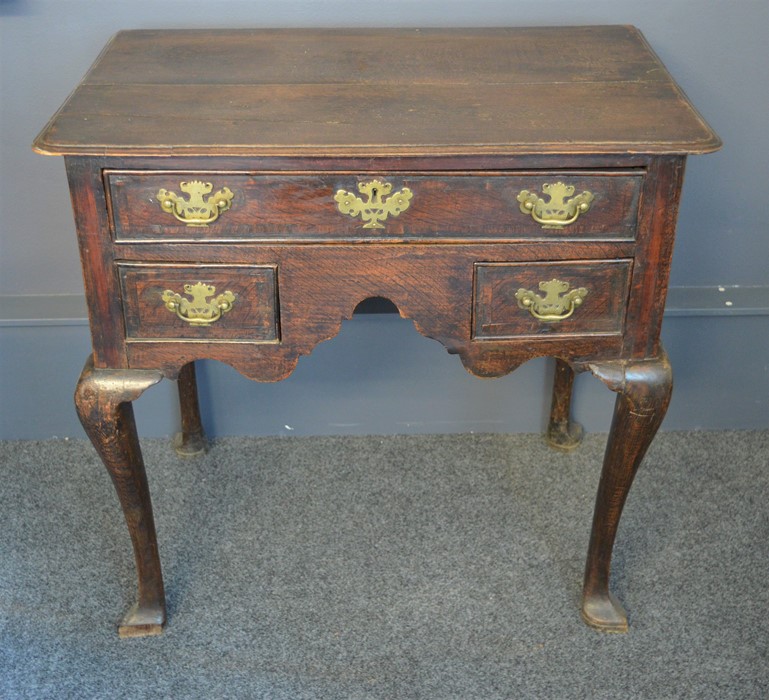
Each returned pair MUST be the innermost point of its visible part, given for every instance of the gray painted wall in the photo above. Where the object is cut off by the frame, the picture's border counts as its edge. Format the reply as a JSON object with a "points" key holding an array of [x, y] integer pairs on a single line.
{"points": [[716, 50]]}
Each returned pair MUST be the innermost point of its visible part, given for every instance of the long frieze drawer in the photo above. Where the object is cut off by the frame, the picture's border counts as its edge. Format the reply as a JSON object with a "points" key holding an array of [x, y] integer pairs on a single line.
{"points": [[200, 302], [546, 299], [225, 206]]}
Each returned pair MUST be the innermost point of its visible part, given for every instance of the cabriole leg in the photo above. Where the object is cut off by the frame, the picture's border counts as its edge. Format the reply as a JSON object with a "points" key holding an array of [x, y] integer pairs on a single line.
{"points": [[643, 389], [563, 433], [191, 441], [103, 400]]}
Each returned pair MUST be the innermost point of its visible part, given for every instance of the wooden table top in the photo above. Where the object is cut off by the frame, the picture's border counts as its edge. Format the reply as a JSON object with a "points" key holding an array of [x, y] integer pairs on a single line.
{"points": [[389, 92]]}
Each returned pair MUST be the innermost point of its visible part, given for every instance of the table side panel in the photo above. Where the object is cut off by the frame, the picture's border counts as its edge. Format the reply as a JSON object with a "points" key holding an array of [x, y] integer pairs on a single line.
{"points": [[102, 286], [651, 271]]}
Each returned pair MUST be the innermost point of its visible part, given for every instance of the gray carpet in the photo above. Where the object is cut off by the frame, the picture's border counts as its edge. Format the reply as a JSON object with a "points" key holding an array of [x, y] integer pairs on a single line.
{"points": [[397, 567]]}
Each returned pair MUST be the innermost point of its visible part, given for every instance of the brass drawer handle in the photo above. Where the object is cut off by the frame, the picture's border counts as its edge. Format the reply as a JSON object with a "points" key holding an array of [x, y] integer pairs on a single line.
{"points": [[557, 304], [375, 209], [200, 311], [560, 210], [196, 211]]}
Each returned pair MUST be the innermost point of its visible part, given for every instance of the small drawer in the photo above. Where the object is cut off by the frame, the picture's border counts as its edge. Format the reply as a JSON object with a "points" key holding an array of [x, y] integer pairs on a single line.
{"points": [[550, 299], [222, 206], [200, 302]]}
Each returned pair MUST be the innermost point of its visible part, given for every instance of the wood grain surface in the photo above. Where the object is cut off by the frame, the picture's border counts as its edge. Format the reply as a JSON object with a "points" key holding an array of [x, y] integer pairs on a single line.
{"points": [[497, 313], [302, 206], [434, 285], [378, 92], [253, 316]]}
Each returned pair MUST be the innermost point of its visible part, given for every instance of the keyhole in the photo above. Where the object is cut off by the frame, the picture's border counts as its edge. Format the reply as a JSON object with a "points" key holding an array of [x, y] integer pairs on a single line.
{"points": [[374, 191]]}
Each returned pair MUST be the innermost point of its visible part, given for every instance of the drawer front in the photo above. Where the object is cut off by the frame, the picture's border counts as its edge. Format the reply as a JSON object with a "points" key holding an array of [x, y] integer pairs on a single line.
{"points": [[200, 302], [210, 206], [550, 299]]}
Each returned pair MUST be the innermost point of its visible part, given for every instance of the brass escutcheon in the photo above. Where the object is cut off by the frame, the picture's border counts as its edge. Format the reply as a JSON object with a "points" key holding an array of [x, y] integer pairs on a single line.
{"points": [[560, 210], [199, 311], [557, 304], [375, 209], [195, 211]]}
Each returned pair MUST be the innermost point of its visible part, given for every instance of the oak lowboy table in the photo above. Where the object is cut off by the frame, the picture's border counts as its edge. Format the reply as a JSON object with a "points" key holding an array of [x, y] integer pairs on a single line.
{"points": [[512, 191]]}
